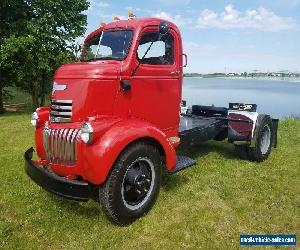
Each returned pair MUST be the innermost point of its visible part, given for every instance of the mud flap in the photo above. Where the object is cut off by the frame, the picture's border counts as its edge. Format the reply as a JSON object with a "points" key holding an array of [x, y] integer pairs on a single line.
{"points": [[241, 123], [275, 128]]}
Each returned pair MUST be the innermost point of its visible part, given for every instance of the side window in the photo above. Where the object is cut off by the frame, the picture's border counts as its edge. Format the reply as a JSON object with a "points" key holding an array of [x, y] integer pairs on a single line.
{"points": [[155, 50]]}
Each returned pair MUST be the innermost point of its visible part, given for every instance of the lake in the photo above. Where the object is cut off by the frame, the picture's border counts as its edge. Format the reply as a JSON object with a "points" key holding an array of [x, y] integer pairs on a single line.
{"points": [[279, 98]]}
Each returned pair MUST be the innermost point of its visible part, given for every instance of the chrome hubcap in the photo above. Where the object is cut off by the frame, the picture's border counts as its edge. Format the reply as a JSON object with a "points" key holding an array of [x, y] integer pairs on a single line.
{"points": [[266, 139]]}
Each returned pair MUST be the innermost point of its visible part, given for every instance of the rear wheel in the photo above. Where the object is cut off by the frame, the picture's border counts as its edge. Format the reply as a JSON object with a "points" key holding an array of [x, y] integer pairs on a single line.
{"points": [[263, 145], [133, 184]]}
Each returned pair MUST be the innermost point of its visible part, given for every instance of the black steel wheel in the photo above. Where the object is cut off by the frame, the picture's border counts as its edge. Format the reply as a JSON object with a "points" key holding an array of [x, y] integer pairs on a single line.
{"points": [[133, 184], [138, 183]]}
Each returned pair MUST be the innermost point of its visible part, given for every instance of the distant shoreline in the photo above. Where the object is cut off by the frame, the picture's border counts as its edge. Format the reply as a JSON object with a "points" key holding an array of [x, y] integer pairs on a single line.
{"points": [[273, 78], [245, 75]]}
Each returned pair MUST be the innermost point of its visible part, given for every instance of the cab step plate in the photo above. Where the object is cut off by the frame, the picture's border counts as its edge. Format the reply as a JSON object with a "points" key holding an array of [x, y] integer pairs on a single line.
{"points": [[183, 162]]}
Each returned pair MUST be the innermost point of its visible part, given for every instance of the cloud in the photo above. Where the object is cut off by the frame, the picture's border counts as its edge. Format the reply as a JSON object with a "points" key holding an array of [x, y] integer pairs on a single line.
{"points": [[136, 9], [100, 4], [177, 19], [261, 19], [94, 5]]}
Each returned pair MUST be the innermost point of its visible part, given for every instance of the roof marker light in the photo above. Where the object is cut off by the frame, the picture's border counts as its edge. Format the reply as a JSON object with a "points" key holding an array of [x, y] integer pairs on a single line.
{"points": [[116, 19], [131, 16]]}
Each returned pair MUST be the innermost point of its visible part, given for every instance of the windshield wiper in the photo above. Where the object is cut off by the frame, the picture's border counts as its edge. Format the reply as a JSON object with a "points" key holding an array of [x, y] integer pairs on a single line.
{"points": [[140, 61], [108, 58]]}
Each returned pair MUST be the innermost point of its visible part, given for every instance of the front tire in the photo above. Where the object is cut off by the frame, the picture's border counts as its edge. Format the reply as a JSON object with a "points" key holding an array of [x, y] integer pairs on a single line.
{"points": [[133, 184]]}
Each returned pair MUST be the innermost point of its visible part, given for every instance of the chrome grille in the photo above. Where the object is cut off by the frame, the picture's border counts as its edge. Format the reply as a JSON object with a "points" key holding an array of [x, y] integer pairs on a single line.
{"points": [[61, 111], [61, 145]]}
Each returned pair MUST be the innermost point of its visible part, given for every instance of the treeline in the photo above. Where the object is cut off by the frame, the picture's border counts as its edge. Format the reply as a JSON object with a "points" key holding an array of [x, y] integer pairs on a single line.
{"points": [[36, 37]]}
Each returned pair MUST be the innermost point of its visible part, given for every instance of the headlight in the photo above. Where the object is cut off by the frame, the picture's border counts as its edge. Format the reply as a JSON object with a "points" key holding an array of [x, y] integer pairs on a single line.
{"points": [[34, 119], [87, 133]]}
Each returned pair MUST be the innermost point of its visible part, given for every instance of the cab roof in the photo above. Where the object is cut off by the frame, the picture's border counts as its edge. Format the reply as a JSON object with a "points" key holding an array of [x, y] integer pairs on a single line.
{"points": [[134, 23]]}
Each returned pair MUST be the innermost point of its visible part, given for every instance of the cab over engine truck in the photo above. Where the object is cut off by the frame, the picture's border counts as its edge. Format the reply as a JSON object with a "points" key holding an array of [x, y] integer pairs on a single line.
{"points": [[116, 118]]}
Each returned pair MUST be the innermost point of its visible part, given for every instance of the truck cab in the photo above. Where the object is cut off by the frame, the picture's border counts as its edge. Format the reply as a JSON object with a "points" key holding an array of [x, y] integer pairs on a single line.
{"points": [[116, 119]]}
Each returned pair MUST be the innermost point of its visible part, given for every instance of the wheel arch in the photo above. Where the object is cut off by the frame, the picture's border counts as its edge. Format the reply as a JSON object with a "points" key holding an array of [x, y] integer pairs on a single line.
{"points": [[151, 141], [101, 156]]}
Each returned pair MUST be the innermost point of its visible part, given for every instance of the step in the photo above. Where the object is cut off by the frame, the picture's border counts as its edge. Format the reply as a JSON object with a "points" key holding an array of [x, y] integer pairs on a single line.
{"points": [[183, 162]]}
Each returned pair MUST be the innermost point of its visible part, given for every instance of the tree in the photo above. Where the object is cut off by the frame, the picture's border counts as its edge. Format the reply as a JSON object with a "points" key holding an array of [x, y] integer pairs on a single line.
{"points": [[54, 26], [44, 41], [13, 16]]}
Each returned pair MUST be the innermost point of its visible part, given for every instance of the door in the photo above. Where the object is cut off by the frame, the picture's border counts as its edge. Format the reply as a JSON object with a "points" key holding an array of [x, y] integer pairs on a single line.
{"points": [[157, 80]]}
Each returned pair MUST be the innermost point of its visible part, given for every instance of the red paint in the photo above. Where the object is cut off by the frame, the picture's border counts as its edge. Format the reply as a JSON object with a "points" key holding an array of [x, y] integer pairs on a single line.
{"points": [[43, 114], [149, 110]]}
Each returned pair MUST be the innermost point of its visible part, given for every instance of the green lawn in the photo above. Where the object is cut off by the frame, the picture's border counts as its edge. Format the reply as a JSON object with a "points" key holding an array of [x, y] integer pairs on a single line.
{"points": [[207, 206]]}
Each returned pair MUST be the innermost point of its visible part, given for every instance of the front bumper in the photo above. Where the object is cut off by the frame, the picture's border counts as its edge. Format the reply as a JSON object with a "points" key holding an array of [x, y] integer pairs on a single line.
{"points": [[69, 189]]}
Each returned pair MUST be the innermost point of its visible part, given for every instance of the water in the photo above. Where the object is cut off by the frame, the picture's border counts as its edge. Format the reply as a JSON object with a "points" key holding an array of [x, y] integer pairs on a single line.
{"points": [[279, 98]]}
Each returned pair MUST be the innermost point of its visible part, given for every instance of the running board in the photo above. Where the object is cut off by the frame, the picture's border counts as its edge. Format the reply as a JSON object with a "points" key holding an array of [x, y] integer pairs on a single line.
{"points": [[183, 162]]}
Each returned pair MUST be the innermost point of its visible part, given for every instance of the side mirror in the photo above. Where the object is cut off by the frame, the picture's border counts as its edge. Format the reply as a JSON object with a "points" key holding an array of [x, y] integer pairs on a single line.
{"points": [[163, 29], [184, 64]]}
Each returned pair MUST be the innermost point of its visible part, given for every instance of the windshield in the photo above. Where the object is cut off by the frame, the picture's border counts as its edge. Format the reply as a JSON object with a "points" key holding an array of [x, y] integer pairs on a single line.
{"points": [[110, 44]]}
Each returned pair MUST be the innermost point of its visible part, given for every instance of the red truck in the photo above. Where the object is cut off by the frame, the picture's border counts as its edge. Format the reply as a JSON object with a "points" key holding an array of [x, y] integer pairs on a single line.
{"points": [[117, 117]]}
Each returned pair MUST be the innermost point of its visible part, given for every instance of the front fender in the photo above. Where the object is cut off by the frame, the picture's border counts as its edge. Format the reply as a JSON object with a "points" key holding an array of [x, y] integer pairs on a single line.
{"points": [[100, 156], [43, 114]]}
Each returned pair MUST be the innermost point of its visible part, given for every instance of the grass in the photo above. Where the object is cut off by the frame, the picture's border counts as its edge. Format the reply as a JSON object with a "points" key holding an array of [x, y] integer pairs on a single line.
{"points": [[207, 206]]}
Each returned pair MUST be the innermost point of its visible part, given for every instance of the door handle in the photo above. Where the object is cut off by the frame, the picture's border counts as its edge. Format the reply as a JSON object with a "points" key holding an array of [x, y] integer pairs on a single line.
{"points": [[125, 85], [175, 73]]}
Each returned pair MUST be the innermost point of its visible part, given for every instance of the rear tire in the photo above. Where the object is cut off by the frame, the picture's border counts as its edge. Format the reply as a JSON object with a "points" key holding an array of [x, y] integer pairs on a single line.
{"points": [[133, 184], [263, 145]]}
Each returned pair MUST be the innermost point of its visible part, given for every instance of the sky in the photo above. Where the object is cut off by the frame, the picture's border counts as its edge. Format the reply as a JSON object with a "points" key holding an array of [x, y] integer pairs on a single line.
{"points": [[221, 36]]}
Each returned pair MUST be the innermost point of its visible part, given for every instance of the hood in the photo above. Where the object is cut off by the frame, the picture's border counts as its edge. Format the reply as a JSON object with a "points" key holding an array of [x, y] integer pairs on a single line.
{"points": [[106, 69], [82, 90]]}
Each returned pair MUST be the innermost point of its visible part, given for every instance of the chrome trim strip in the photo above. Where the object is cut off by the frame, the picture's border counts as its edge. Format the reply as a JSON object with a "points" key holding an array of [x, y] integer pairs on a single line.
{"points": [[61, 101], [59, 119], [47, 143], [61, 111], [76, 140], [54, 112], [73, 144], [53, 144], [69, 145], [61, 145], [61, 107]]}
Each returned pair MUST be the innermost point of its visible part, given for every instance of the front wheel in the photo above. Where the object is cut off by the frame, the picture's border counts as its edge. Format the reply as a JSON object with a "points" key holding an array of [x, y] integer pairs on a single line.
{"points": [[133, 184]]}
